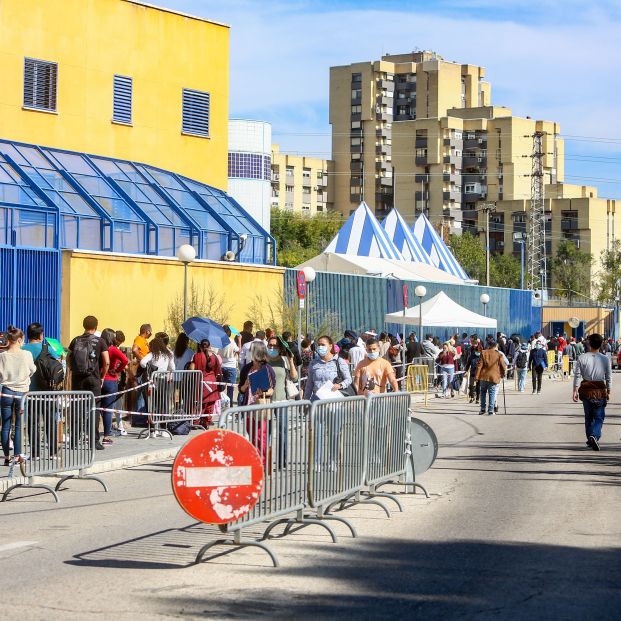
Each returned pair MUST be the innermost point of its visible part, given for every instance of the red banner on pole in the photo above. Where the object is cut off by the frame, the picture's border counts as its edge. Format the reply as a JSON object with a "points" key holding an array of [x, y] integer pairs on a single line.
{"points": [[405, 296]]}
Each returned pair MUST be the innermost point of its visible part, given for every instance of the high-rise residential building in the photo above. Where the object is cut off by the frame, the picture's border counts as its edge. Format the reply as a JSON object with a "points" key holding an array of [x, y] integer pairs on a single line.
{"points": [[250, 167], [299, 182], [369, 100]]}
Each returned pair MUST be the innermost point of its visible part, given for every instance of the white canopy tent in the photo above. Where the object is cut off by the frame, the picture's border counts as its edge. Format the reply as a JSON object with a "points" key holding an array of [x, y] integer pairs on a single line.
{"points": [[441, 311], [375, 266]]}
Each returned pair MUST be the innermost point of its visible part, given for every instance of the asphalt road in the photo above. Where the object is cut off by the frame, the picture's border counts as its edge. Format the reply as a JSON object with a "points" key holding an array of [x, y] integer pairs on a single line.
{"points": [[524, 522]]}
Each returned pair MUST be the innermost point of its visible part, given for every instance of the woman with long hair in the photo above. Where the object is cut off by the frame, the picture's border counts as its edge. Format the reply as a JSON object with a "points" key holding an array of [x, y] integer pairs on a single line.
{"points": [[281, 360], [229, 364], [16, 368], [183, 352], [118, 361], [207, 362]]}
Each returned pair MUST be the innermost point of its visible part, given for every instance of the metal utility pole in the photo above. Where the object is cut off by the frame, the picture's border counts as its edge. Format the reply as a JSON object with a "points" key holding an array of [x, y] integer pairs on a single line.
{"points": [[537, 274], [487, 208]]}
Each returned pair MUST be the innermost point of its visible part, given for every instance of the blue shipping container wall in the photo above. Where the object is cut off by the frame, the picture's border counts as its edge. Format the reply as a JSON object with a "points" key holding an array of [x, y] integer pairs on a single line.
{"points": [[30, 288], [362, 301]]}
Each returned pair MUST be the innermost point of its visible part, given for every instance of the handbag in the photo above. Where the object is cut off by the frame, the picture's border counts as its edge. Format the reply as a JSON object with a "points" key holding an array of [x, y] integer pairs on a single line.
{"points": [[291, 388], [350, 391]]}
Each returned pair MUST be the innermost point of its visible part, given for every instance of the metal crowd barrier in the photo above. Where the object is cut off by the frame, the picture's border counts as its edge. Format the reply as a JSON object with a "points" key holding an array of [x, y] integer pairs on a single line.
{"points": [[174, 396], [417, 380], [58, 435], [387, 427], [281, 433]]}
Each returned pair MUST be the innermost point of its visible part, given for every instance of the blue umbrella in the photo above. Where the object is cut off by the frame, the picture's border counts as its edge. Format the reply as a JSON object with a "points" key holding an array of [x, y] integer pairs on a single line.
{"points": [[199, 328]]}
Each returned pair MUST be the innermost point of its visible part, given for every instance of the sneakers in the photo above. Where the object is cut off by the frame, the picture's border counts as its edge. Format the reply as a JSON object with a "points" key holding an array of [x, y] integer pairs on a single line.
{"points": [[491, 413], [122, 432], [99, 446], [594, 443], [481, 412]]}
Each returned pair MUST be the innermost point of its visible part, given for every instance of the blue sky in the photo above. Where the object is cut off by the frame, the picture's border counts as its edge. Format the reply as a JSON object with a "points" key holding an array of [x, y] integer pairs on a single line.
{"points": [[554, 60]]}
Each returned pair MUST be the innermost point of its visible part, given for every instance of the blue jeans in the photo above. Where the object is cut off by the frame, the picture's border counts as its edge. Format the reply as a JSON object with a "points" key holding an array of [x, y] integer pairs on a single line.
{"points": [[447, 378], [522, 374], [594, 414], [8, 405], [488, 387], [230, 377], [109, 387]]}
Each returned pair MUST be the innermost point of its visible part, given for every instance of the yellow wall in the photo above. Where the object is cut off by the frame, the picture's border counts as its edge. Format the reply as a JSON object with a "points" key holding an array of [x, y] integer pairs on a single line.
{"points": [[125, 291], [91, 40]]}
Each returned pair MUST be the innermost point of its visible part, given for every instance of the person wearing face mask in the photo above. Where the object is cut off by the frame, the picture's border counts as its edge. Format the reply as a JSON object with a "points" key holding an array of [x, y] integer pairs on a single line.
{"points": [[281, 360], [537, 362], [16, 368], [374, 374], [326, 368]]}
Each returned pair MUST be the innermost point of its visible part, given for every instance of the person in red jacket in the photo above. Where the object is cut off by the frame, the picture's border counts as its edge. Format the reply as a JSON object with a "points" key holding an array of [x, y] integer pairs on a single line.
{"points": [[446, 362]]}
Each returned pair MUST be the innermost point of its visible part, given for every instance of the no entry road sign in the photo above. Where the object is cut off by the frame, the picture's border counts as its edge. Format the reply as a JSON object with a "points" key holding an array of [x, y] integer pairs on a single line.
{"points": [[217, 476]]}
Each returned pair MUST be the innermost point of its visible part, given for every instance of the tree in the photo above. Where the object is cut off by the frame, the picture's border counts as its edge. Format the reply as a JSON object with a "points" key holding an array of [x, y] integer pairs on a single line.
{"points": [[300, 237], [571, 271], [504, 271], [610, 273], [470, 253]]}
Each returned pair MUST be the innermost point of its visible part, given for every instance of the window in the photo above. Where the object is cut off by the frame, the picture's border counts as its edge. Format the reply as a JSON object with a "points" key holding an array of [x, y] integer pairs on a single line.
{"points": [[40, 80], [250, 166], [122, 99], [356, 109], [195, 113]]}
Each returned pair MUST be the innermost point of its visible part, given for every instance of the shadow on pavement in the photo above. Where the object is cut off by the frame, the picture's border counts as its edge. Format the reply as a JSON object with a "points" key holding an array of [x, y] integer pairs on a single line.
{"points": [[455, 580]]}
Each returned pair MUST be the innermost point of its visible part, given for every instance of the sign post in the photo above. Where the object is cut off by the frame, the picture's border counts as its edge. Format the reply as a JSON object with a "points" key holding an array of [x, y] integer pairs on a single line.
{"points": [[217, 476], [404, 343], [301, 290]]}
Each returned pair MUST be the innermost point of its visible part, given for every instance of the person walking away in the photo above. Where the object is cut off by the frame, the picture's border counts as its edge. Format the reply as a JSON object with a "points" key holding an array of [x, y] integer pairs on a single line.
{"points": [[118, 361], [16, 368], [207, 362], [257, 426], [446, 363], [509, 351], [121, 376], [490, 372], [537, 362], [229, 364], [244, 354], [521, 366], [246, 335], [356, 351], [183, 353], [592, 382], [413, 350], [374, 374], [89, 361], [159, 358]]}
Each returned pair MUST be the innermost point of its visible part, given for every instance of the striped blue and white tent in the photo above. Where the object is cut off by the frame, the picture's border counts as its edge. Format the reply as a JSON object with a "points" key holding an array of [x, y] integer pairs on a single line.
{"points": [[403, 238], [435, 247], [362, 235]]}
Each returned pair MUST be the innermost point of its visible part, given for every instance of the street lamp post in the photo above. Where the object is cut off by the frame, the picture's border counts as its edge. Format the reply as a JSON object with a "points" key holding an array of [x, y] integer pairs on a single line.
{"points": [[186, 254], [420, 292], [309, 276], [484, 299], [520, 238]]}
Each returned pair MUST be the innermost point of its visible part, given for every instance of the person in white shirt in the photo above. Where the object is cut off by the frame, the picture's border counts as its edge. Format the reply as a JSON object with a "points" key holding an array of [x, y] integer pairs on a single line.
{"points": [[229, 364], [244, 354]]}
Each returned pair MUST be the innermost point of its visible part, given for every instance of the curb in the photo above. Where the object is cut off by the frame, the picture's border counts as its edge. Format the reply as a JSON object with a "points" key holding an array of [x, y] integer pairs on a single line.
{"points": [[108, 465]]}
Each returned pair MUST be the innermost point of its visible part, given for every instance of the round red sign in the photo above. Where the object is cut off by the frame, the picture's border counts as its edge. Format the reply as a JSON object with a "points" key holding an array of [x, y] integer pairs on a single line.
{"points": [[217, 476]]}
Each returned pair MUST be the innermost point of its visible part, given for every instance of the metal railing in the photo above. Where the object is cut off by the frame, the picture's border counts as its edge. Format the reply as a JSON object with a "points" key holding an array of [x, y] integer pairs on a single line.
{"points": [[58, 435], [281, 434], [174, 396]]}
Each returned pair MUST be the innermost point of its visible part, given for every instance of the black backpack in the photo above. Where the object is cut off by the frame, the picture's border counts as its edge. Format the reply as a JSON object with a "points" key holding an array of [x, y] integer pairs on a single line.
{"points": [[521, 360], [84, 354], [50, 373]]}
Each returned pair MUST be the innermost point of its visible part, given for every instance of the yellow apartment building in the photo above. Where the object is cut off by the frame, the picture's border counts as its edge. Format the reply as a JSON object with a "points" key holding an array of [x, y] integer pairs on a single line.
{"points": [[299, 182], [118, 78]]}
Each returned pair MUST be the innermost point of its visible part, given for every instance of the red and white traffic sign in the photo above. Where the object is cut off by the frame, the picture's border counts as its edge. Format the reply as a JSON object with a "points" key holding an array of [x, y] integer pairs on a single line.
{"points": [[217, 476], [301, 285]]}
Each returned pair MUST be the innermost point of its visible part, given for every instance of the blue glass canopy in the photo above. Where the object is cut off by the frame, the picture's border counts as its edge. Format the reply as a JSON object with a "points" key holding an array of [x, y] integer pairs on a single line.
{"points": [[51, 198]]}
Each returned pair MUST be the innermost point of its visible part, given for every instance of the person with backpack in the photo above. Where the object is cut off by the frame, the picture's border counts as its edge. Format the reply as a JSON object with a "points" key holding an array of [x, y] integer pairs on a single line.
{"points": [[521, 366], [118, 361], [16, 369], [89, 362], [471, 363], [49, 375]]}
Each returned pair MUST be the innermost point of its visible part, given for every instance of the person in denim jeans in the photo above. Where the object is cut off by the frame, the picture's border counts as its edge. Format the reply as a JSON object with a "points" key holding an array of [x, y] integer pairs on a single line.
{"points": [[118, 361], [16, 368], [490, 372], [521, 366], [229, 364]]}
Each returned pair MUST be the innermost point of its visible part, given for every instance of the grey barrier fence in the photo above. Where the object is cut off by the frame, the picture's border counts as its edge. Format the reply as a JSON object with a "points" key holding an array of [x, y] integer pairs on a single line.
{"points": [[280, 432], [174, 396], [387, 427], [58, 435]]}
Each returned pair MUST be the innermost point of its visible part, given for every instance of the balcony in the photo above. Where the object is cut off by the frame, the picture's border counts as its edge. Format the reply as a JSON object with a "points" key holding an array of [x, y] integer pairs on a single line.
{"points": [[471, 197], [385, 181], [387, 85], [383, 101], [451, 195], [383, 133], [383, 149], [453, 159], [421, 178], [383, 116], [306, 181], [383, 165]]}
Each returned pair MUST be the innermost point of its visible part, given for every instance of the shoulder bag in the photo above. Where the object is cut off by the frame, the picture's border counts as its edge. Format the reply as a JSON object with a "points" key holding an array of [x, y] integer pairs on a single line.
{"points": [[291, 389], [350, 391]]}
